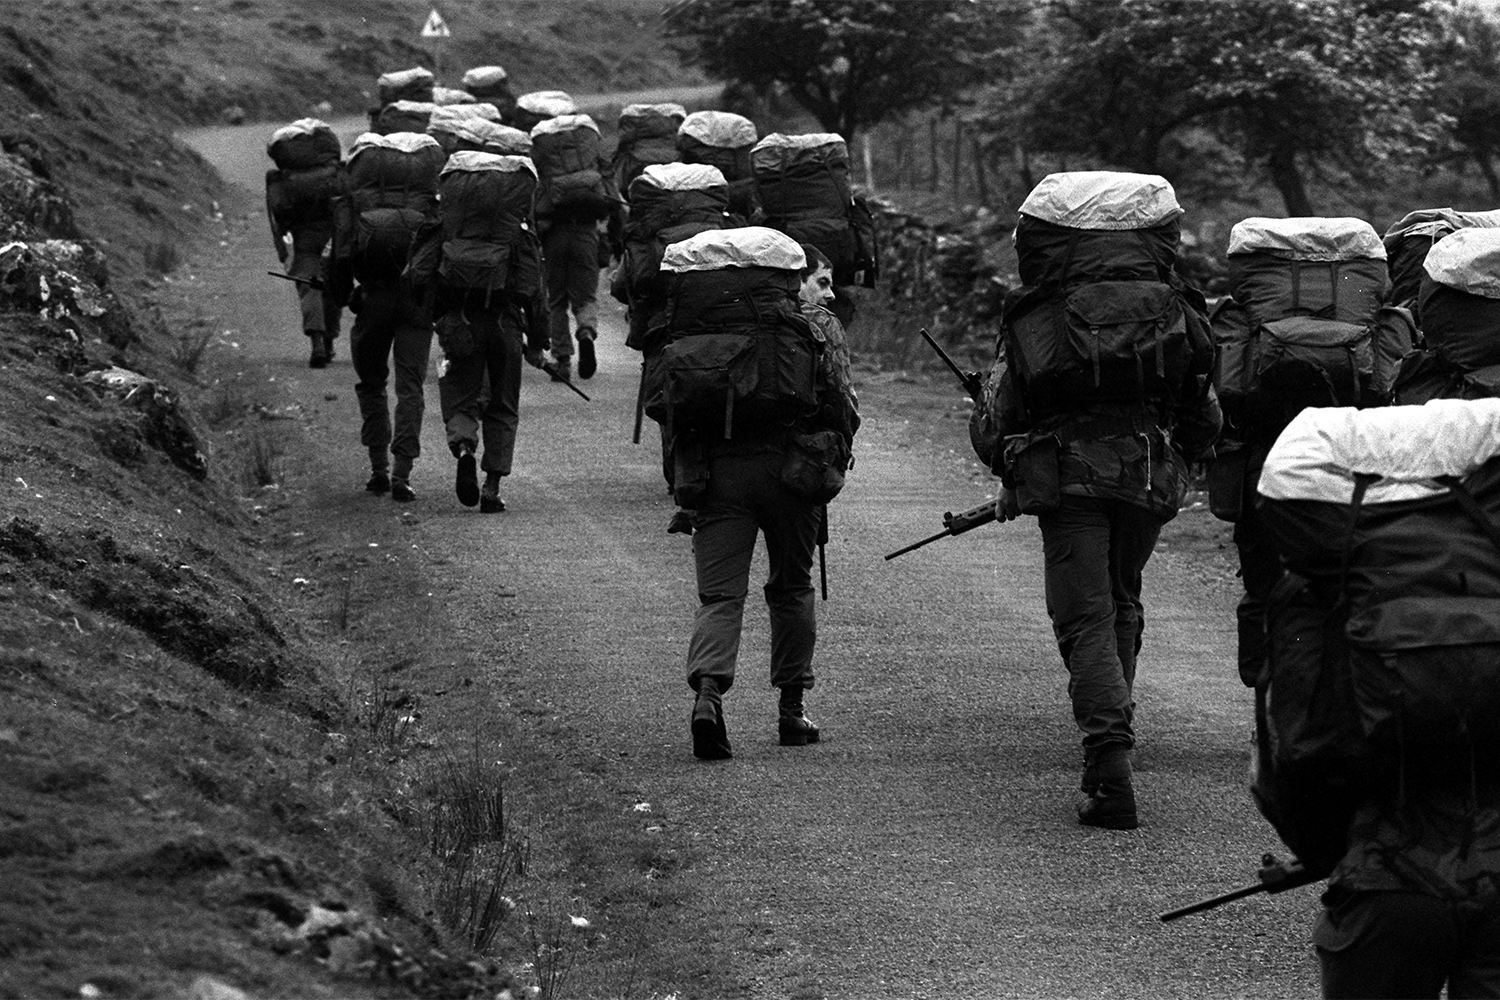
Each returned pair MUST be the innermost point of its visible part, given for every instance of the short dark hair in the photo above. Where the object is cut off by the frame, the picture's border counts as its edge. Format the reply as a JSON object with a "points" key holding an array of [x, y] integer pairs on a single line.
{"points": [[815, 260]]}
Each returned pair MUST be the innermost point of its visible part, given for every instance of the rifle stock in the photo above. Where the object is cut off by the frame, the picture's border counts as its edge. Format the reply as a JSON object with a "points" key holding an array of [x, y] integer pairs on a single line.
{"points": [[1274, 876], [955, 524]]}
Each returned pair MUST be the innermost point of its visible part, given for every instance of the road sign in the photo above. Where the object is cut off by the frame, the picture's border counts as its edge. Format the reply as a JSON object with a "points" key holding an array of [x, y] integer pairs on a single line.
{"points": [[435, 27]]}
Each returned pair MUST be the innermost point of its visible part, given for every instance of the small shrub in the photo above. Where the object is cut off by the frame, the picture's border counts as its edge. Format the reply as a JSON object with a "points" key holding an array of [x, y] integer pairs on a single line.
{"points": [[225, 404], [263, 453], [477, 851], [386, 714], [189, 348]]}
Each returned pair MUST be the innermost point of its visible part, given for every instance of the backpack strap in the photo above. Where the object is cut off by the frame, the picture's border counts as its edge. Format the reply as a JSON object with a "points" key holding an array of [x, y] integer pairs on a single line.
{"points": [[1472, 507], [1362, 482]]}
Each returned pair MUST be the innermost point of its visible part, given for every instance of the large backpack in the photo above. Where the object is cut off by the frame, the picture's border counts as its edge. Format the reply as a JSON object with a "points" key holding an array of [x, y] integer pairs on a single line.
{"points": [[1384, 637], [415, 84], [1121, 329], [1410, 238], [648, 135], [723, 140], [489, 238], [1307, 325], [391, 204], [304, 144], [802, 184], [740, 357], [301, 187], [536, 107], [490, 84], [476, 127], [403, 116], [1459, 301], [566, 151], [669, 202]]}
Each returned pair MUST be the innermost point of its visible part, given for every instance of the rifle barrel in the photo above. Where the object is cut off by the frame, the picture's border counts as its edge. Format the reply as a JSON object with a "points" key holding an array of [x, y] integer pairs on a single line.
{"points": [[552, 370], [1209, 904], [640, 405], [918, 545]]}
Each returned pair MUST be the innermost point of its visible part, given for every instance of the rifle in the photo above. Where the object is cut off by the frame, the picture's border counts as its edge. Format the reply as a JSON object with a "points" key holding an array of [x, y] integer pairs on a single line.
{"points": [[557, 376], [640, 405], [973, 382], [956, 524], [314, 283], [822, 550], [1274, 876]]}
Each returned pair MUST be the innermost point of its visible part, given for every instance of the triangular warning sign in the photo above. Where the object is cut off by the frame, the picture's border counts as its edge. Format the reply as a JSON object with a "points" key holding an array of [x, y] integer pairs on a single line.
{"points": [[435, 27]]}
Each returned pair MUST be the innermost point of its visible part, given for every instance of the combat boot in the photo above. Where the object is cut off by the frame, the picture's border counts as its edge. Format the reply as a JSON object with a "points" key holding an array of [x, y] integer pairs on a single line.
{"points": [[710, 737], [793, 726], [588, 361], [1111, 804]]}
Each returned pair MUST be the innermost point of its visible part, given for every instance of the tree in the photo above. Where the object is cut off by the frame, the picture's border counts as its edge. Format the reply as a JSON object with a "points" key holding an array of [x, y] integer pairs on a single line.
{"points": [[850, 63], [1469, 92], [1295, 86]]}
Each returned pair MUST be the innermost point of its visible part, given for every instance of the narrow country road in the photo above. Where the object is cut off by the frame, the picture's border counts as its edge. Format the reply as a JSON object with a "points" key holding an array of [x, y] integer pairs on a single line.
{"points": [[928, 847]]}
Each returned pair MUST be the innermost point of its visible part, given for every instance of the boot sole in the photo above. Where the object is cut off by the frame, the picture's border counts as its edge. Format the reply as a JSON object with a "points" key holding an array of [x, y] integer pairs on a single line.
{"points": [[587, 362], [710, 741], [797, 737], [466, 484], [1115, 821]]}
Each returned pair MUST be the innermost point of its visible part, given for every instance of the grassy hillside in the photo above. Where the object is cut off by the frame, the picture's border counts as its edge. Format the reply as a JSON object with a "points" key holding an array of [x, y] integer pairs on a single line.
{"points": [[280, 58], [201, 772], [97, 85]]}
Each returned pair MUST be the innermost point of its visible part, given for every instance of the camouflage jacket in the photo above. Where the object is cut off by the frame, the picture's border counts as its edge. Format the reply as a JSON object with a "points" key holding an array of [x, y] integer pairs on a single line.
{"points": [[1127, 453], [1442, 841], [838, 406]]}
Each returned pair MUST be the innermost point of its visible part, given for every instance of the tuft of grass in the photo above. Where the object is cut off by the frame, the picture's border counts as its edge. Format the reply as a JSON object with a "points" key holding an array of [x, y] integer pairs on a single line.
{"points": [[189, 348], [479, 854], [263, 453], [385, 714]]}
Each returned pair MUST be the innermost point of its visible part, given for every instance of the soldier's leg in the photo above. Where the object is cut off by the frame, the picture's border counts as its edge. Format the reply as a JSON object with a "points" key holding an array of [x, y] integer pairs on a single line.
{"points": [[411, 349], [1080, 600], [1385, 944], [460, 383], [724, 531], [369, 349], [556, 250], [583, 294], [307, 262], [502, 340], [1133, 535], [790, 525]]}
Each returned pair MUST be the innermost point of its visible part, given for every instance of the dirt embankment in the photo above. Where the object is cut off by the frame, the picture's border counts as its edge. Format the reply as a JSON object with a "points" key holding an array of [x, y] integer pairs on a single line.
{"points": [[200, 775]]}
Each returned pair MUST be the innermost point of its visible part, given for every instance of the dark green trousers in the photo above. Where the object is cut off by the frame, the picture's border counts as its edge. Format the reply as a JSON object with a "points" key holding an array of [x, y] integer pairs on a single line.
{"points": [[744, 500]]}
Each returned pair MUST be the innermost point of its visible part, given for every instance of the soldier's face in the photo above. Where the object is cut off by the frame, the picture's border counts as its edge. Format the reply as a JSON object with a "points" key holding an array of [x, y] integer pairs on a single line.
{"points": [[817, 288]]}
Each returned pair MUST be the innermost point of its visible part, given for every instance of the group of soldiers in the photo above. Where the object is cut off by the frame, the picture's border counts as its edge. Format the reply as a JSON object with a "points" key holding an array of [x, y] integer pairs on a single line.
{"points": [[1366, 625], [1112, 378], [484, 222]]}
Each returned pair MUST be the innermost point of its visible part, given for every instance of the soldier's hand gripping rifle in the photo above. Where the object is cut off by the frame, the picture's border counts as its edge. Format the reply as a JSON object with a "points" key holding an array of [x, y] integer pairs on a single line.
{"points": [[1274, 876], [313, 283], [973, 382], [956, 524]]}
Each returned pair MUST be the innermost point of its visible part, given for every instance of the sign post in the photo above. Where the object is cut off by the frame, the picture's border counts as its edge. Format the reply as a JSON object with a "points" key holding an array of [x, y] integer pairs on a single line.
{"points": [[436, 28]]}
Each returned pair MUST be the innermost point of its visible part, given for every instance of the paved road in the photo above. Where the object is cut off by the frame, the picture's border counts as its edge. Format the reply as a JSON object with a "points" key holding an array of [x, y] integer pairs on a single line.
{"points": [[928, 847]]}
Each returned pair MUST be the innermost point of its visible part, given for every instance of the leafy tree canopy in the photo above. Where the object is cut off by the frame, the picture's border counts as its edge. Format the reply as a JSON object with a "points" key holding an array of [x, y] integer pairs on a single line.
{"points": [[850, 63], [1293, 85]]}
